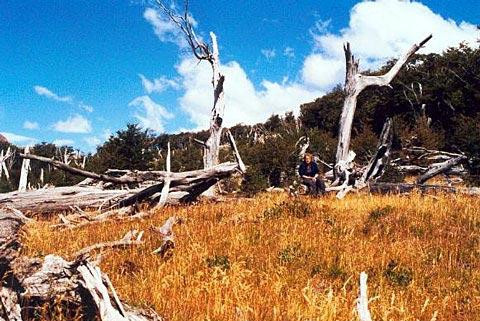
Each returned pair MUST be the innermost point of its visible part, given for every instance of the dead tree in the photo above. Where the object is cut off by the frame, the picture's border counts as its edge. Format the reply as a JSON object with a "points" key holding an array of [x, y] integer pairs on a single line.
{"points": [[355, 83], [203, 51], [29, 283]]}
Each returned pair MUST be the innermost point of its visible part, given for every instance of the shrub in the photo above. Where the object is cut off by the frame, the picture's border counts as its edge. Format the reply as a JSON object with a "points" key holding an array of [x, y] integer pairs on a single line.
{"points": [[398, 275], [219, 261]]}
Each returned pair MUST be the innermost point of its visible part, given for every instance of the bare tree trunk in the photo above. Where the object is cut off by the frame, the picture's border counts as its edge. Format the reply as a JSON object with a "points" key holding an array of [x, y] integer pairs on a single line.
{"points": [[212, 145], [355, 83]]}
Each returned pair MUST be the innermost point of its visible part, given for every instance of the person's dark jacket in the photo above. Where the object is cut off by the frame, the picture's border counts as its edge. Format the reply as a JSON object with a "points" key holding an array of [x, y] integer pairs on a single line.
{"points": [[309, 170]]}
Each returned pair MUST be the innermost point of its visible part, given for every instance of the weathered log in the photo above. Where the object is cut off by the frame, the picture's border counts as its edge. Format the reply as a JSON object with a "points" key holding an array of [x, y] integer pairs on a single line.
{"points": [[184, 187], [436, 169], [400, 188], [30, 283], [80, 172], [355, 83]]}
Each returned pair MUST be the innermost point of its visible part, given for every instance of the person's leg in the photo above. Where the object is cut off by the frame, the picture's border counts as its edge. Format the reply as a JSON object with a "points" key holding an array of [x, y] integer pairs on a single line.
{"points": [[312, 189], [320, 185]]}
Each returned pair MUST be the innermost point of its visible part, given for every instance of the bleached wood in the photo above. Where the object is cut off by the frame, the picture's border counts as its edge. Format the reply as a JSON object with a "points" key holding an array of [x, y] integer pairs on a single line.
{"points": [[167, 181], [22, 185], [9, 306], [184, 187], [355, 83], [362, 301], [439, 168], [37, 282], [77, 171], [241, 165], [132, 237], [166, 232]]}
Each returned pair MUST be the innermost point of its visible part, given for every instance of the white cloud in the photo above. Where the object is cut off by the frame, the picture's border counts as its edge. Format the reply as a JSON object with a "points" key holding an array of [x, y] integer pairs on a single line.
{"points": [[153, 115], [30, 125], [19, 139], [289, 52], [378, 31], [63, 142], [44, 91], [268, 53], [158, 84], [166, 30], [244, 103], [74, 124]]}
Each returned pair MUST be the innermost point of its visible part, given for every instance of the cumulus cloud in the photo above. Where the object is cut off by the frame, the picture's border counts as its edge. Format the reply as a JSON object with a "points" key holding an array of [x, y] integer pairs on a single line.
{"points": [[150, 114], [19, 139], [63, 142], [269, 53], [30, 125], [245, 104], [74, 124], [44, 91], [158, 84], [378, 31]]}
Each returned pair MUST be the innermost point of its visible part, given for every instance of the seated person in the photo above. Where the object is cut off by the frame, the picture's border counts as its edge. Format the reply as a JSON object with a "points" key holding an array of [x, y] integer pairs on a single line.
{"points": [[309, 174]]}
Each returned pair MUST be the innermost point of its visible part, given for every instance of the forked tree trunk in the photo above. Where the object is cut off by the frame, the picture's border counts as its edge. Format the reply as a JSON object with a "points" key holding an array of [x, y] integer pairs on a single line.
{"points": [[355, 83]]}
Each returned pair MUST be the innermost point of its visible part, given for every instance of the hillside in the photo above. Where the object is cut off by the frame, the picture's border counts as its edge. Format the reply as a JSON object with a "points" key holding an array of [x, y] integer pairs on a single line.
{"points": [[276, 258]]}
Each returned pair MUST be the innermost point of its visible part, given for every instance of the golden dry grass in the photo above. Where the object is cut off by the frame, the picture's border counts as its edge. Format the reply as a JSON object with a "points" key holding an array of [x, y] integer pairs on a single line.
{"points": [[252, 260]]}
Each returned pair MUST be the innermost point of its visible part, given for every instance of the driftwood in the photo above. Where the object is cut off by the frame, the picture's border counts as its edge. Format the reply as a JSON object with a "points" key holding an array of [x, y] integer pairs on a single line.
{"points": [[30, 283]]}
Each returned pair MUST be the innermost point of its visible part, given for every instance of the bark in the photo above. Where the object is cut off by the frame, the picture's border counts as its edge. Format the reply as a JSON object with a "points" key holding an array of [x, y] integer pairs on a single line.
{"points": [[355, 83]]}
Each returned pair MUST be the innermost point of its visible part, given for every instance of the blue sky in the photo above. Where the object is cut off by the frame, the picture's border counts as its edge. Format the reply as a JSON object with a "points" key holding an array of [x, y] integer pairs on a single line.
{"points": [[75, 71]]}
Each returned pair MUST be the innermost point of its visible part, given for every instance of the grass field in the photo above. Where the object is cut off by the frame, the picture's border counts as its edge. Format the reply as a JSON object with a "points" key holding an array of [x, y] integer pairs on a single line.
{"points": [[279, 258]]}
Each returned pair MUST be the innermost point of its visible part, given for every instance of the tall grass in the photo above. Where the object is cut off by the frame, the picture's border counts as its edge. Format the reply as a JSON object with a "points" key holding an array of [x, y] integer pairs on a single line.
{"points": [[266, 259]]}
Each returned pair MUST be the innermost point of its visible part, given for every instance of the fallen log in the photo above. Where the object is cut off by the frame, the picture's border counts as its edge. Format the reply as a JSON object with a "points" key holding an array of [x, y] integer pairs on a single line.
{"points": [[29, 284], [80, 172], [400, 188], [439, 168], [184, 187]]}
